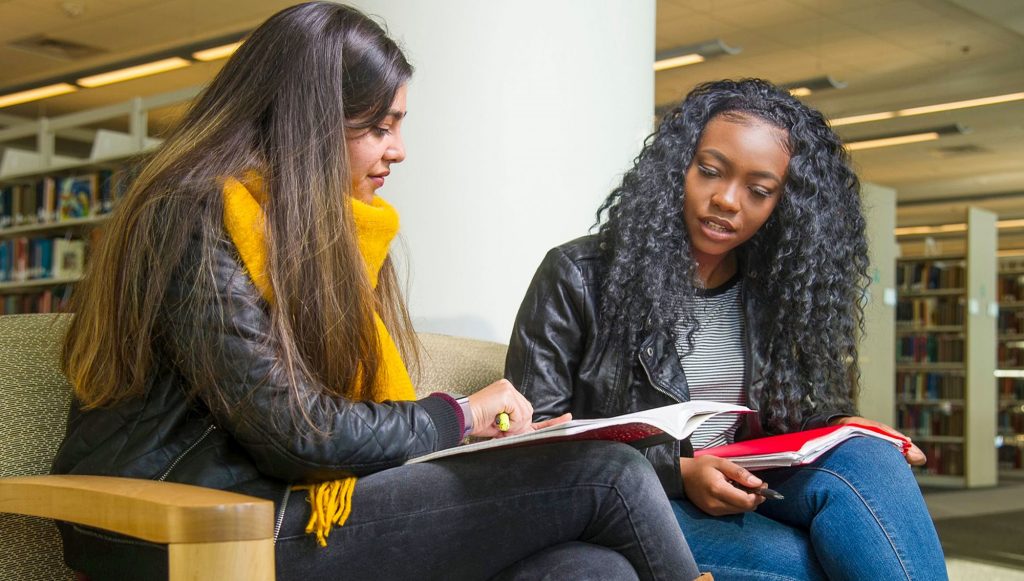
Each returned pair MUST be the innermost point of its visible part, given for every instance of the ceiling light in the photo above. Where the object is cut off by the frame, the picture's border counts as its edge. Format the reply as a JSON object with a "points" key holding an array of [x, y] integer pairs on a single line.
{"points": [[952, 228], [961, 104], [890, 141], [217, 52], [861, 118], [141, 66], [808, 86], [692, 54], [36, 94], [905, 138], [143, 70], [677, 61], [928, 109]]}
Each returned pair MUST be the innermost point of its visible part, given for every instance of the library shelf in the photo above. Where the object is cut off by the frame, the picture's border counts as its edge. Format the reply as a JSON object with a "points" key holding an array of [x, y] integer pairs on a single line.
{"points": [[913, 329], [945, 357], [15, 287], [933, 292], [54, 227]]}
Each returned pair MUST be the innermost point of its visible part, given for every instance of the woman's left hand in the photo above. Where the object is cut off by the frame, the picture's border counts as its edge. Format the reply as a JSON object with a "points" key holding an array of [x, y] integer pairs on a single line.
{"points": [[551, 422], [915, 457]]}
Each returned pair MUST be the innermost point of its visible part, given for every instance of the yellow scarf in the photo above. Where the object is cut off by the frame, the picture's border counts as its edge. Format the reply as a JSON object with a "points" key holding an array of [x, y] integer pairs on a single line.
{"points": [[376, 226]]}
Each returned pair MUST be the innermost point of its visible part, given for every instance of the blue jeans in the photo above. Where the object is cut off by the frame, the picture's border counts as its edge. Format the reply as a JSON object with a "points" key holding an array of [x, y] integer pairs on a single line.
{"points": [[855, 513]]}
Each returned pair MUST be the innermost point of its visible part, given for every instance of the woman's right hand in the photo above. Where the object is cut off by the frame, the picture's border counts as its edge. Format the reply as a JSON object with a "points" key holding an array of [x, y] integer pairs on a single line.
{"points": [[498, 397], [708, 482]]}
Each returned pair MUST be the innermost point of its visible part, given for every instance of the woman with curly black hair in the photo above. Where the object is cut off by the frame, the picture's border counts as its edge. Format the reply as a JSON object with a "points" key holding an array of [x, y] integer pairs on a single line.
{"points": [[731, 265]]}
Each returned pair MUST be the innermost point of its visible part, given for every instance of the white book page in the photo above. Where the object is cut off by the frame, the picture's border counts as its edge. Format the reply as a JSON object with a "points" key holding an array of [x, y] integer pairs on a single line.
{"points": [[677, 420]]}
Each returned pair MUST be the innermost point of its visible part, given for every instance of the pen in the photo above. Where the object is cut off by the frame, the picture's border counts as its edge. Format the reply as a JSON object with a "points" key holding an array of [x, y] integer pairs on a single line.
{"points": [[502, 421], [764, 491]]}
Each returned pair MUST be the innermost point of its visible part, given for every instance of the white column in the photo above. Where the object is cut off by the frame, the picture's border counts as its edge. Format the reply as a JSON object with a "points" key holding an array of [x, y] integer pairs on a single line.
{"points": [[980, 462], [522, 117], [877, 364]]}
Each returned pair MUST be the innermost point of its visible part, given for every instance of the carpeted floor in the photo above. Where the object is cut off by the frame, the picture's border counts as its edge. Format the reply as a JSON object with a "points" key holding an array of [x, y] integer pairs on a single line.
{"points": [[993, 538]]}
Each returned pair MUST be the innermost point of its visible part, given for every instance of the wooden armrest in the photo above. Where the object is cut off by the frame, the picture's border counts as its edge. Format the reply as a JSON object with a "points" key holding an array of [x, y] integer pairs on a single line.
{"points": [[160, 512]]}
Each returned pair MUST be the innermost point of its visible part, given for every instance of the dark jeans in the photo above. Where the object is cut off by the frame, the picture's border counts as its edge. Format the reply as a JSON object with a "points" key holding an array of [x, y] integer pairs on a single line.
{"points": [[583, 510]]}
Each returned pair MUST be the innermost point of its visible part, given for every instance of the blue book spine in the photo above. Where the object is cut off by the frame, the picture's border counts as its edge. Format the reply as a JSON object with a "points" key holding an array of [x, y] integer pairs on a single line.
{"points": [[6, 251], [45, 258]]}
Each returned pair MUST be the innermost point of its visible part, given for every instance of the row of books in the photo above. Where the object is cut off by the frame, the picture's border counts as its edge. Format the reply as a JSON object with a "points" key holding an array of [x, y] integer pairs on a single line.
{"points": [[929, 348], [1010, 388], [916, 421], [24, 258], [1011, 420], [943, 459], [1009, 355], [56, 199], [1011, 457], [1011, 288], [917, 386], [918, 276], [1010, 321], [48, 301], [927, 311]]}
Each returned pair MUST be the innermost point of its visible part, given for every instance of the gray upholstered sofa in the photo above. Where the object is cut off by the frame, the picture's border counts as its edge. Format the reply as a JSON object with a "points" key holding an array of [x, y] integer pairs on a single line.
{"points": [[210, 534]]}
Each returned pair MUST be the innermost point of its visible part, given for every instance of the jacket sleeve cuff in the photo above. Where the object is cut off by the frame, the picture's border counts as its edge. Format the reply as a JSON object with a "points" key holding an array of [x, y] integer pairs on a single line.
{"points": [[446, 414]]}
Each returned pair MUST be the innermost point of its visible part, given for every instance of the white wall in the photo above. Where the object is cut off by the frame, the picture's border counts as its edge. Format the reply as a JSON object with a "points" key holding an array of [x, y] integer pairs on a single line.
{"points": [[522, 116]]}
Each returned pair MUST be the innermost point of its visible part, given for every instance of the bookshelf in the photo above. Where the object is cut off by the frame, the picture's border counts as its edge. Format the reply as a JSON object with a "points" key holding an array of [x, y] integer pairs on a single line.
{"points": [[46, 224], [52, 204], [945, 357], [1010, 368]]}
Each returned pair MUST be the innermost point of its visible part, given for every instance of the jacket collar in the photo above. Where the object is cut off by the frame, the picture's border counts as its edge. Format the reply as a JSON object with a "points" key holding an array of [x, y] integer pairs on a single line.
{"points": [[660, 362]]}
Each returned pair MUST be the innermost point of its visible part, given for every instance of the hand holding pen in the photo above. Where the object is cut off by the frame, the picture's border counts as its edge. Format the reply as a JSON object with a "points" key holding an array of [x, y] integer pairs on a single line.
{"points": [[499, 410], [720, 487], [762, 490]]}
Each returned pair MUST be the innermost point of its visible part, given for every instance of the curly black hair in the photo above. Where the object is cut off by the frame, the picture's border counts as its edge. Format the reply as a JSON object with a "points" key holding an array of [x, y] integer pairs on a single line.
{"points": [[805, 270]]}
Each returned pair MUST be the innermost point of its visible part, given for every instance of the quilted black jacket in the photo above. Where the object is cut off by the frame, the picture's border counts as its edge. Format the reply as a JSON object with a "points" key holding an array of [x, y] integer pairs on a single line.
{"points": [[557, 358], [163, 435]]}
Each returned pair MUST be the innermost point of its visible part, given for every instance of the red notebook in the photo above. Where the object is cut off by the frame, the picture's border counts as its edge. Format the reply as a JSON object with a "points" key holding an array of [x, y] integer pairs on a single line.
{"points": [[796, 448]]}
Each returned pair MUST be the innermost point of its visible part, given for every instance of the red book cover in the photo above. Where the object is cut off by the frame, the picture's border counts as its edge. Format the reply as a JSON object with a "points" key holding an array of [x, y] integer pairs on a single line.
{"points": [[796, 448]]}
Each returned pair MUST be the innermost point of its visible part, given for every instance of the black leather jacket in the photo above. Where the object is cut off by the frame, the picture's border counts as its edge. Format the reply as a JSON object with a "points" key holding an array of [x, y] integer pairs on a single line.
{"points": [[163, 435], [557, 358]]}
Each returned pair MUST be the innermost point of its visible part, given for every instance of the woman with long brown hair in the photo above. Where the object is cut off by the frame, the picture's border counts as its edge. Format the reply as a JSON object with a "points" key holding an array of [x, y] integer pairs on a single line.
{"points": [[241, 328]]}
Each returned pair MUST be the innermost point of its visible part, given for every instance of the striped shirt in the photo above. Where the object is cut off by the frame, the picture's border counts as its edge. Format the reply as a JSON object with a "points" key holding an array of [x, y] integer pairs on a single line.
{"points": [[715, 367]]}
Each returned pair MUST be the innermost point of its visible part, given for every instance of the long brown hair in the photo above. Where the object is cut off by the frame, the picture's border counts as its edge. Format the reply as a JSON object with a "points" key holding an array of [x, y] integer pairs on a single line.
{"points": [[279, 107]]}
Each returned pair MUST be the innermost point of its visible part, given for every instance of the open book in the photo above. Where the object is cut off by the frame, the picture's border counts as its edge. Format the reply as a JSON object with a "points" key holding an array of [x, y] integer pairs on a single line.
{"points": [[796, 448], [639, 429]]}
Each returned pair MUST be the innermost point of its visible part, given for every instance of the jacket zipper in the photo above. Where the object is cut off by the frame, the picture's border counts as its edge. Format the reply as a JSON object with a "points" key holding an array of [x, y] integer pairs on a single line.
{"points": [[650, 379], [676, 445], [167, 472], [287, 489], [280, 514]]}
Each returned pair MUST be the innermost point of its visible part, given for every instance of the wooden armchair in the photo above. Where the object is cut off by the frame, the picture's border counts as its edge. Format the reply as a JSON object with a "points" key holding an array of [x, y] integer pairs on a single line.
{"points": [[211, 534]]}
